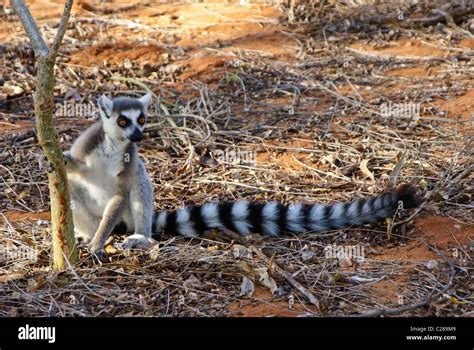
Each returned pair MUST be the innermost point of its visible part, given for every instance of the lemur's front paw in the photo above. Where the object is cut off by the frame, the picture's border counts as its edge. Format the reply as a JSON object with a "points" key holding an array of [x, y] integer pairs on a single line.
{"points": [[101, 255], [97, 252], [67, 157], [138, 241], [43, 162]]}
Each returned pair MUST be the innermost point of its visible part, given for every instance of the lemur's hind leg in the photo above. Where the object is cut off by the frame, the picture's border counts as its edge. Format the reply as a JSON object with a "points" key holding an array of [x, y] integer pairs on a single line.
{"points": [[85, 223], [141, 208], [110, 219]]}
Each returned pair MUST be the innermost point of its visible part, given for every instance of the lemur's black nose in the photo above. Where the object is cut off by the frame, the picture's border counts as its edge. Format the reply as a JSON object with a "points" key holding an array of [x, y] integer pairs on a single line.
{"points": [[136, 136]]}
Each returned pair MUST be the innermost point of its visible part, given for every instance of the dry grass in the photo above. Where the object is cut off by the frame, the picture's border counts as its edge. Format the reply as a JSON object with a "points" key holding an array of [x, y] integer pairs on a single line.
{"points": [[312, 121]]}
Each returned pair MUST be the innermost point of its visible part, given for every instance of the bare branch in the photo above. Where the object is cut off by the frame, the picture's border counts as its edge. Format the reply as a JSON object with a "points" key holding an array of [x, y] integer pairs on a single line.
{"points": [[62, 226], [62, 27], [427, 301], [37, 41], [443, 16], [288, 277]]}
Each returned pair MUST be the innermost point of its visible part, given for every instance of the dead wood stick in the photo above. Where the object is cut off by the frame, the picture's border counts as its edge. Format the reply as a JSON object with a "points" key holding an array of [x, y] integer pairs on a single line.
{"points": [[441, 17], [413, 306], [383, 57], [62, 227], [272, 265]]}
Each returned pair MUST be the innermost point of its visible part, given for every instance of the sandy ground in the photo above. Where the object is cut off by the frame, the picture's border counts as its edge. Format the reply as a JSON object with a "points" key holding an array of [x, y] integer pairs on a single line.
{"points": [[208, 37]]}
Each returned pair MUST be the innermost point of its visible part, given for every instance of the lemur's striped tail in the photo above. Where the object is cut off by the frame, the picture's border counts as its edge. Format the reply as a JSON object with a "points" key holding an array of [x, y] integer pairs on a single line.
{"points": [[274, 219]]}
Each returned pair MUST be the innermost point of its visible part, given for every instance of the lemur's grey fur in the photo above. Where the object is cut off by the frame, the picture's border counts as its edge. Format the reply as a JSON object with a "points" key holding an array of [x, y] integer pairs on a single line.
{"points": [[110, 185]]}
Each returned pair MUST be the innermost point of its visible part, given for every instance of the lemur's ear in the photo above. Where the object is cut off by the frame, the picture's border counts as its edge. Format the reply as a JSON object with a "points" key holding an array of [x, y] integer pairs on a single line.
{"points": [[146, 100], [105, 106]]}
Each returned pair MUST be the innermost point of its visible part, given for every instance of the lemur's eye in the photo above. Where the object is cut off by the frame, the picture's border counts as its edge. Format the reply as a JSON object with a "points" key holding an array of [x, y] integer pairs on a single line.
{"points": [[141, 119], [122, 121]]}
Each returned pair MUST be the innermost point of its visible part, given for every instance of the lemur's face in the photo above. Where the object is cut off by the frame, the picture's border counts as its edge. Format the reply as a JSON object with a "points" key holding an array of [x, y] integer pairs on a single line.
{"points": [[124, 118]]}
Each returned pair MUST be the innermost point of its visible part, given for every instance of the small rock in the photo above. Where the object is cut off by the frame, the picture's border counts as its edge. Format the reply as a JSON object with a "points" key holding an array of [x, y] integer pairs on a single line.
{"points": [[432, 264], [307, 255]]}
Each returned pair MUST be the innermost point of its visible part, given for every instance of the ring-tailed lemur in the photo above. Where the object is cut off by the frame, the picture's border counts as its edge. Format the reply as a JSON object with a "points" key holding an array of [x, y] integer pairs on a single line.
{"points": [[110, 185], [108, 182]]}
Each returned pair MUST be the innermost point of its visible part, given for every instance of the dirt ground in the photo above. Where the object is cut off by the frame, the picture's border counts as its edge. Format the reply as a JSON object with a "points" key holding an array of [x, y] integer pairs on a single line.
{"points": [[305, 96]]}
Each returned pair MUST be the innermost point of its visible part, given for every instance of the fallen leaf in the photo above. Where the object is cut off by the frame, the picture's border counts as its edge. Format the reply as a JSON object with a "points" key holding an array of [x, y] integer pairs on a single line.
{"points": [[22, 194], [11, 277], [192, 283], [456, 301], [192, 296], [345, 263], [245, 267], [396, 171], [11, 91], [111, 250], [72, 93], [154, 252], [361, 279], [35, 283], [432, 264], [365, 170], [265, 279], [241, 252], [307, 255], [247, 287], [325, 276]]}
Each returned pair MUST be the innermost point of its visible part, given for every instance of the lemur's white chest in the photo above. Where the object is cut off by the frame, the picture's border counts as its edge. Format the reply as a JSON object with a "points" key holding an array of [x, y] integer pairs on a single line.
{"points": [[107, 160], [100, 181]]}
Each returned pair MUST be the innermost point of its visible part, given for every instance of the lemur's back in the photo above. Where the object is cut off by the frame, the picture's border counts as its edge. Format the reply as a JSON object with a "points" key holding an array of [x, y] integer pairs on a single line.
{"points": [[88, 141]]}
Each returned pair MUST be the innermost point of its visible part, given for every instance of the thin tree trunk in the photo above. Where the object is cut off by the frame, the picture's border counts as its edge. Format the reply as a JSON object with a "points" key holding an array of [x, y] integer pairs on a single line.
{"points": [[62, 228]]}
